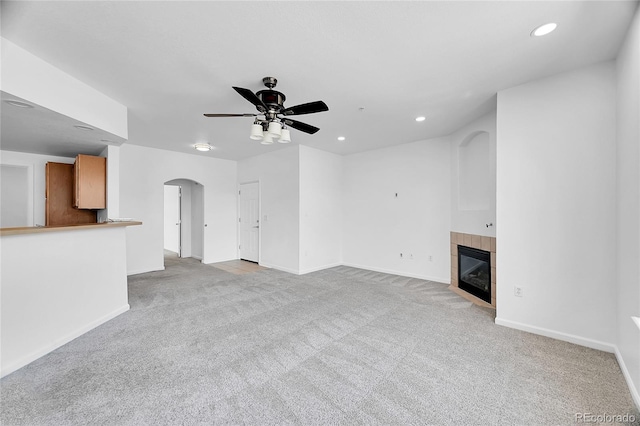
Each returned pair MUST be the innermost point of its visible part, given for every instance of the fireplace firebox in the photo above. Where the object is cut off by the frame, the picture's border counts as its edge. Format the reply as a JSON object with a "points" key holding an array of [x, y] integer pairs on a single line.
{"points": [[474, 272]]}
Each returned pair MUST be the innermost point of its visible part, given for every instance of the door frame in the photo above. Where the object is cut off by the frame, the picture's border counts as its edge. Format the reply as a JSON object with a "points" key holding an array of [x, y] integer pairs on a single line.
{"points": [[194, 225], [259, 215], [179, 217]]}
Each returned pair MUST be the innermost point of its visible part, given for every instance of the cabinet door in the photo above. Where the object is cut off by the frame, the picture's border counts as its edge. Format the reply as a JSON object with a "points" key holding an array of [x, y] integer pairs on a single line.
{"points": [[59, 193], [90, 182]]}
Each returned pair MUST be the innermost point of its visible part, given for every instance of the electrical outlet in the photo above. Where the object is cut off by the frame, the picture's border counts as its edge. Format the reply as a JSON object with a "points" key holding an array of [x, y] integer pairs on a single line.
{"points": [[400, 255], [430, 258], [410, 256], [518, 292]]}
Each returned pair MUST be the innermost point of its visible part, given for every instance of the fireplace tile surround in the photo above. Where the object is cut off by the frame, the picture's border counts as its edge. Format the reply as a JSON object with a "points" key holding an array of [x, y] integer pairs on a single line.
{"points": [[480, 242]]}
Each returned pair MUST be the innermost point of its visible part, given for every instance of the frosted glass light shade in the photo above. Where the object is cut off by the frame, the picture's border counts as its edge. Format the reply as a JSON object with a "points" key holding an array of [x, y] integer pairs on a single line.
{"points": [[275, 129], [256, 132], [268, 139], [285, 136]]}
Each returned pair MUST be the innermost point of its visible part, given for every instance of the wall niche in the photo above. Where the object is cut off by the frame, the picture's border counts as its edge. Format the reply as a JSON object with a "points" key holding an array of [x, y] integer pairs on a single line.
{"points": [[474, 172]]}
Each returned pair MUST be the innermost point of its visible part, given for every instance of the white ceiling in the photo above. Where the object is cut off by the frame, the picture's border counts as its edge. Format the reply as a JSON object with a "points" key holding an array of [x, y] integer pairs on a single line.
{"points": [[170, 62], [40, 130]]}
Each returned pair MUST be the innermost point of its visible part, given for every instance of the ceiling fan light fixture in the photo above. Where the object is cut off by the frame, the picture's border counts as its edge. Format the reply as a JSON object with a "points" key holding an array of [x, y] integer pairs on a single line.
{"points": [[543, 29], [256, 132], [203, 147], [268, 139], [285, 136], [275, 129], [272, 117]]}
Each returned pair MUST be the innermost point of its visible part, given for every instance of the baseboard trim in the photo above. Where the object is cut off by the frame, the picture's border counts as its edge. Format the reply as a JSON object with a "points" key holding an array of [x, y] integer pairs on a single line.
{"points": [[143, 271], [571, 338], [279, 268], [401, 273], [320, 268], [27, 359], [635, 394]]}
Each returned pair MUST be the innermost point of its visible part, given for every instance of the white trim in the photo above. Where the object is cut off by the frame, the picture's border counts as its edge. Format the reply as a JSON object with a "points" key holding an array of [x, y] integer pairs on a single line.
{"points": [[636, 320], [196, 257], [634, 392], [320, 268], [401, 273], [571, 338], [280, 268], [27, 359], [144, 271]]}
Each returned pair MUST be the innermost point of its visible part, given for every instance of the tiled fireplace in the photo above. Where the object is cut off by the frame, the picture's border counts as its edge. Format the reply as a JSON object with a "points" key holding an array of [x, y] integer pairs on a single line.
{"points": [[478, 244]]}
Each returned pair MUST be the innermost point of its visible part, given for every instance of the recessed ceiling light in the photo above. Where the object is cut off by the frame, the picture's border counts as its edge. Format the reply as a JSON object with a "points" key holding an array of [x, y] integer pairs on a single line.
{"points": [[421, 118], [544, 29], [341, 138], [19, 104], [81, 127], [203, 147]]}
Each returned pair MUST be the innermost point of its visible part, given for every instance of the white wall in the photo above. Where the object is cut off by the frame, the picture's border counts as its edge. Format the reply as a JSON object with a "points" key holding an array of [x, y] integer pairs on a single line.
{"points": [[57, 286], [320, 209], [112, 154], [36, 163], [197, 220], [16, 196], [278, 174], [463, 218], [29, 77], [143, 172], [378, 226], [556, 206], [628, 195]]}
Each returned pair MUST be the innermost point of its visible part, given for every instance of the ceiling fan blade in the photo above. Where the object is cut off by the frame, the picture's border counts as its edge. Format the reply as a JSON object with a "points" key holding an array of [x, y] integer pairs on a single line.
{"points": [[251, 97], [230, 115], [303, 127], [308, 108]]}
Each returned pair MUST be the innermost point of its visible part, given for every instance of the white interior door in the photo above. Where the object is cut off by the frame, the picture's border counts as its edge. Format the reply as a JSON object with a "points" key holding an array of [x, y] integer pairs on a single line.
{"points": [[249, 221], [172, 218]]}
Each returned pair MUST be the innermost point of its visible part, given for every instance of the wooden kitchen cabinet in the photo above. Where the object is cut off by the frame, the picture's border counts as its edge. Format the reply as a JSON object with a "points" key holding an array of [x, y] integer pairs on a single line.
{"points": [[59, 209], [90, 183]]}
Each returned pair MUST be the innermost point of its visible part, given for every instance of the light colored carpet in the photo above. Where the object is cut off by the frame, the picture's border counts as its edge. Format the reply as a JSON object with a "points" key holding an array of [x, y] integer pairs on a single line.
{"points": [[339, 346]]}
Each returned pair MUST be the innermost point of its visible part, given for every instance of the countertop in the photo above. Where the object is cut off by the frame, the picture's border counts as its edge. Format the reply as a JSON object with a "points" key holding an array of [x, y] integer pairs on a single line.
{"points": [[42, 229]]}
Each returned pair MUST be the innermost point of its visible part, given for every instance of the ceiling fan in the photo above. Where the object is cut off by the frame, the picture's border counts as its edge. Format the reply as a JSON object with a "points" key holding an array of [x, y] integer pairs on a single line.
{"points": [[270, 105]]}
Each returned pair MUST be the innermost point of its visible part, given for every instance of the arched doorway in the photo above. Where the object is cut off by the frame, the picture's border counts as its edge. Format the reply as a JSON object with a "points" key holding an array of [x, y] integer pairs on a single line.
{"points": [[184, 218]]}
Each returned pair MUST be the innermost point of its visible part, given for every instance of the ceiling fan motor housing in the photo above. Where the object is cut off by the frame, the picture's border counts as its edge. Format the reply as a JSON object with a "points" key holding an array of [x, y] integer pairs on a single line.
{"points": [[272, 98]]}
